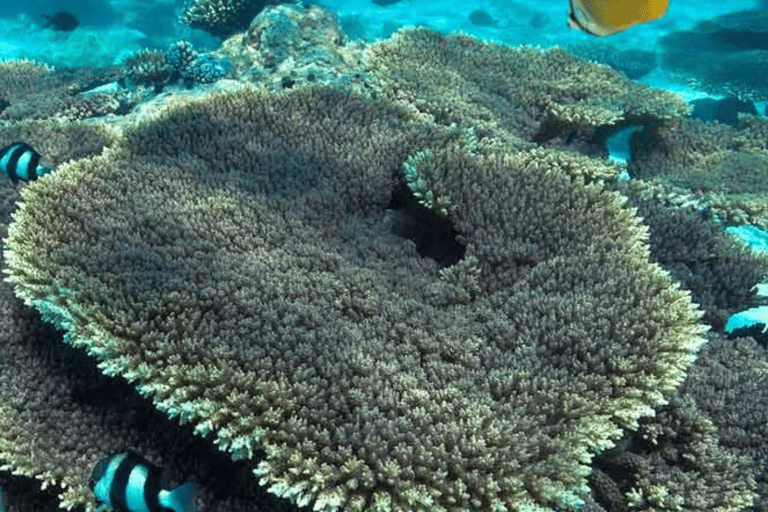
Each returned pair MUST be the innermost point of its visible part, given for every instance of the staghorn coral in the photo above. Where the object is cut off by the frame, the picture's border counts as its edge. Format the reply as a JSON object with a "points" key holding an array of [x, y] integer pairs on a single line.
{"points": [[239, 259], [422, 175], [60, 141], [59, 415], [181, 54], [21, 77], [33, 91], [149, 68], [728, 384], [727, 167], [158, 68], [719, 273], [546, 96], [221, 18], [706, 450], [205, 69], [681, 459], [676, 461], [193, 67]]}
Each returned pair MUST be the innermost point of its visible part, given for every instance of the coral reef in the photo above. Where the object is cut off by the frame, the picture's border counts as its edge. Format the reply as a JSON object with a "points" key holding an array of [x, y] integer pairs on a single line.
{"points": [[181, 54], [674, 461], [706, 449], [733, 48], [157, 68], [148, 67], [33, 91], [288, 46], [402, 304], [720, 274], [60, 415], [221, 18], [205, 69], [726, 166], [727, 383], [240, 260], [60, 141], [452, 79], [545, 96]]}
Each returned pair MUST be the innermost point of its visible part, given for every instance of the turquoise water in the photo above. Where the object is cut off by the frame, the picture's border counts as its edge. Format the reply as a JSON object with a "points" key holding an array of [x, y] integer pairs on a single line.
{"points": [[111, 30]]}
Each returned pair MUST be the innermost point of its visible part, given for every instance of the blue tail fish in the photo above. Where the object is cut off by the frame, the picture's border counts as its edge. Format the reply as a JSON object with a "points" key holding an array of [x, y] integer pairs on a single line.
{"points": [[20, 162], [127, 482]]}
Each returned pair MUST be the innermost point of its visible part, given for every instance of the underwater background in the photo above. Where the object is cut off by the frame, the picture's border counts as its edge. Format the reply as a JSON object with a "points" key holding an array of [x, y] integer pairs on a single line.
{"points": [[388, 255]]}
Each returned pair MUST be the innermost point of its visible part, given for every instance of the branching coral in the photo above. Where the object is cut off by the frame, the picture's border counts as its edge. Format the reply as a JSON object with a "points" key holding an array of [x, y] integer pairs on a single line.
{"points": [[221, 18], [727, 167], [59, 415], [547, 96], [240, 260], [33, 91]]}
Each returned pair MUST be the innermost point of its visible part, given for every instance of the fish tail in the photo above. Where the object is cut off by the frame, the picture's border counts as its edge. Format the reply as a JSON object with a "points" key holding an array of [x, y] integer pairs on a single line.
{"points": [[183, 497], [42, 170]]}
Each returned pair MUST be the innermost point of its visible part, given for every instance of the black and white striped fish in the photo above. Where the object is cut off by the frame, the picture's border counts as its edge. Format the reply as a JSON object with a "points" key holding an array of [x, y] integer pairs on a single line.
{"points": [[20, 162], [127, 482]]}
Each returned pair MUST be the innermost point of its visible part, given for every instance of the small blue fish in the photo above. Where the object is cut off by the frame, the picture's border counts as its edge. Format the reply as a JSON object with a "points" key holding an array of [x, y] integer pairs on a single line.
{"points": [[127, 482], [21, 162]]}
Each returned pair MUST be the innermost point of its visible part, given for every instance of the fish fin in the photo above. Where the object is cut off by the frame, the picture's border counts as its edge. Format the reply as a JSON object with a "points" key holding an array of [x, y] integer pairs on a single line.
{"points": [[182, 498]]}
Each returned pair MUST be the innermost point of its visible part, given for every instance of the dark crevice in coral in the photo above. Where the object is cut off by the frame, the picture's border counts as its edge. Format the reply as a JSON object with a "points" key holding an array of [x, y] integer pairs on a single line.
{"points": [[434, 236], [756, 331], [615, 472], [554, 133]]}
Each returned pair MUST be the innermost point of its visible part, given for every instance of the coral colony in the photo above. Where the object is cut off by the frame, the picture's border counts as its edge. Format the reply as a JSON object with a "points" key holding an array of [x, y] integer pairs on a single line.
{"points": [[401, 276]]}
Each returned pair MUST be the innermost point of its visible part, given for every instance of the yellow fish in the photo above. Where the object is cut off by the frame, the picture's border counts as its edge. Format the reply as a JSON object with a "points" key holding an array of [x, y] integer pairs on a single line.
{"points": [[606, 17]]}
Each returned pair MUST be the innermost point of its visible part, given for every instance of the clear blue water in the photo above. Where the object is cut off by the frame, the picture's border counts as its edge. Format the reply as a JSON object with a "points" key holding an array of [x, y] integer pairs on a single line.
{"points": [[111, 30]]}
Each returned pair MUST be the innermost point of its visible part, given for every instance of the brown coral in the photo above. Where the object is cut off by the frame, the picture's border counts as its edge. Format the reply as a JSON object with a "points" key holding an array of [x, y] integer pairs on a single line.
{"points": [[59, 415], [149, 68], [221, 18], [32, 91], [727, 166], [242, 260], [546, 96]]}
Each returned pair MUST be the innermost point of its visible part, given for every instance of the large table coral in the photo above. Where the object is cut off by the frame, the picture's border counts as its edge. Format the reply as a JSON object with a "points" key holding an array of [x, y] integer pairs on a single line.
{"points": [[257, 265]]}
